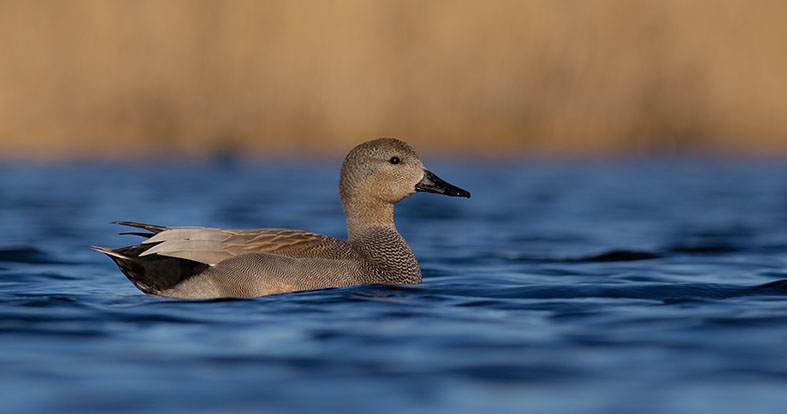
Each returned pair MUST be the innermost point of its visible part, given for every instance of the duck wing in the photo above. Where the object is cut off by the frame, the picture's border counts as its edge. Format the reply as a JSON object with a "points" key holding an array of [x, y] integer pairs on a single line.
{"points": [[213, 245]]}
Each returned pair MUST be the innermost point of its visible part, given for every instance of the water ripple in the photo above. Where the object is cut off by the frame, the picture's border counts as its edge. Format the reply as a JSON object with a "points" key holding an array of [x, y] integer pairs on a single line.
{"points": [[600, 287]]}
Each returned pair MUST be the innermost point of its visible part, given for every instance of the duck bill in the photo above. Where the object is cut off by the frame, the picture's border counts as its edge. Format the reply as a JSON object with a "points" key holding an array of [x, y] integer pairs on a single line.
{"points": [[433, 184]]}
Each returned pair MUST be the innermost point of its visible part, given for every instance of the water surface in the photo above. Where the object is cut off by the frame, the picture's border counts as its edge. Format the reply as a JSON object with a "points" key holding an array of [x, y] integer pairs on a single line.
{"points": [[655, 286]]}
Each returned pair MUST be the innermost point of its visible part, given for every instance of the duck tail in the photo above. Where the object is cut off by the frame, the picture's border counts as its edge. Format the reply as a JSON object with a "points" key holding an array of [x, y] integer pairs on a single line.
{"points": [[152, 228], [151, 274]]}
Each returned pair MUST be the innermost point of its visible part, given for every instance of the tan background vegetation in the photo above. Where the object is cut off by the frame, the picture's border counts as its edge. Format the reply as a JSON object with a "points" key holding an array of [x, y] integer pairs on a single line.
{"points": [[84, 78]]}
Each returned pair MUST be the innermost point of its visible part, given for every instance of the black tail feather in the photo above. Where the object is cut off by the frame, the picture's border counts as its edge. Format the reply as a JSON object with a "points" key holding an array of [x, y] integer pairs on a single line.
{"points": [[149, 227], [140, 234], [153, 273]]}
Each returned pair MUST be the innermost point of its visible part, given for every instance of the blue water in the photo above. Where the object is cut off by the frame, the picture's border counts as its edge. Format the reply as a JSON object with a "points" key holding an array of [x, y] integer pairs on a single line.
{"points": [[647, 286]]}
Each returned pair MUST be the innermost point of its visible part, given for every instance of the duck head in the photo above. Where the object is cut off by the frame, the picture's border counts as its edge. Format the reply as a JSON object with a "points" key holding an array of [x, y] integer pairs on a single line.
{"points": [[388, 170]]}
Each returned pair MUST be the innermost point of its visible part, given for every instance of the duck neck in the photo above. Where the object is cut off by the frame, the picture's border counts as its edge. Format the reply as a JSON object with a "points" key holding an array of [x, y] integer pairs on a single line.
{"points": [[366, 213], [372, 233]]}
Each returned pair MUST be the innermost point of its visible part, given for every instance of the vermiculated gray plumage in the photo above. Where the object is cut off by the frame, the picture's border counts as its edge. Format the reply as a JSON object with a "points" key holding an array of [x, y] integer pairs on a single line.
{"points": [[202, 263]]}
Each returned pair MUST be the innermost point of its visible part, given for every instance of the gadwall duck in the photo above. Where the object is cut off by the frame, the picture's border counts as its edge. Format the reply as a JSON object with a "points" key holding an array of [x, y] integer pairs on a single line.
{"points": [[205, 263]]}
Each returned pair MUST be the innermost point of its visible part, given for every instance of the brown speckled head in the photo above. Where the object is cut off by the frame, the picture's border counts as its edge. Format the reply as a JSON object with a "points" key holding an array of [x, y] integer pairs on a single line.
{"points": [[379, 173], [384, 169]]}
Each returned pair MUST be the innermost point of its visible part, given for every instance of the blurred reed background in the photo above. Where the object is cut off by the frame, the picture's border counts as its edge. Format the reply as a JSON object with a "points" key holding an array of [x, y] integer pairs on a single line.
{"points": [[128, 78]]}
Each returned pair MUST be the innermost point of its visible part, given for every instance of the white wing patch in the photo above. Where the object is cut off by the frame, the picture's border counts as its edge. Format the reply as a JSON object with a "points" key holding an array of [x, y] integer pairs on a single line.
{"points": [[200, 244], [189, 233]]}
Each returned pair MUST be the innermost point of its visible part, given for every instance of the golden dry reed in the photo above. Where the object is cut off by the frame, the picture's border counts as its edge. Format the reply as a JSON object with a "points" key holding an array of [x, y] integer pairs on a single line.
{"points": [[133, 78]]}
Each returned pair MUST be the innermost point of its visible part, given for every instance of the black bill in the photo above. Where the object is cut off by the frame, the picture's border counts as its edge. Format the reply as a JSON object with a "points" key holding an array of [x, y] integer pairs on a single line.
{"points": [[433, 184]]}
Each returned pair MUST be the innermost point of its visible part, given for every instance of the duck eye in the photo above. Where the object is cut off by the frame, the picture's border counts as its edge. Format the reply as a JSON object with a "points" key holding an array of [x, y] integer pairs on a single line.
{"points": [[394, 160]]}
